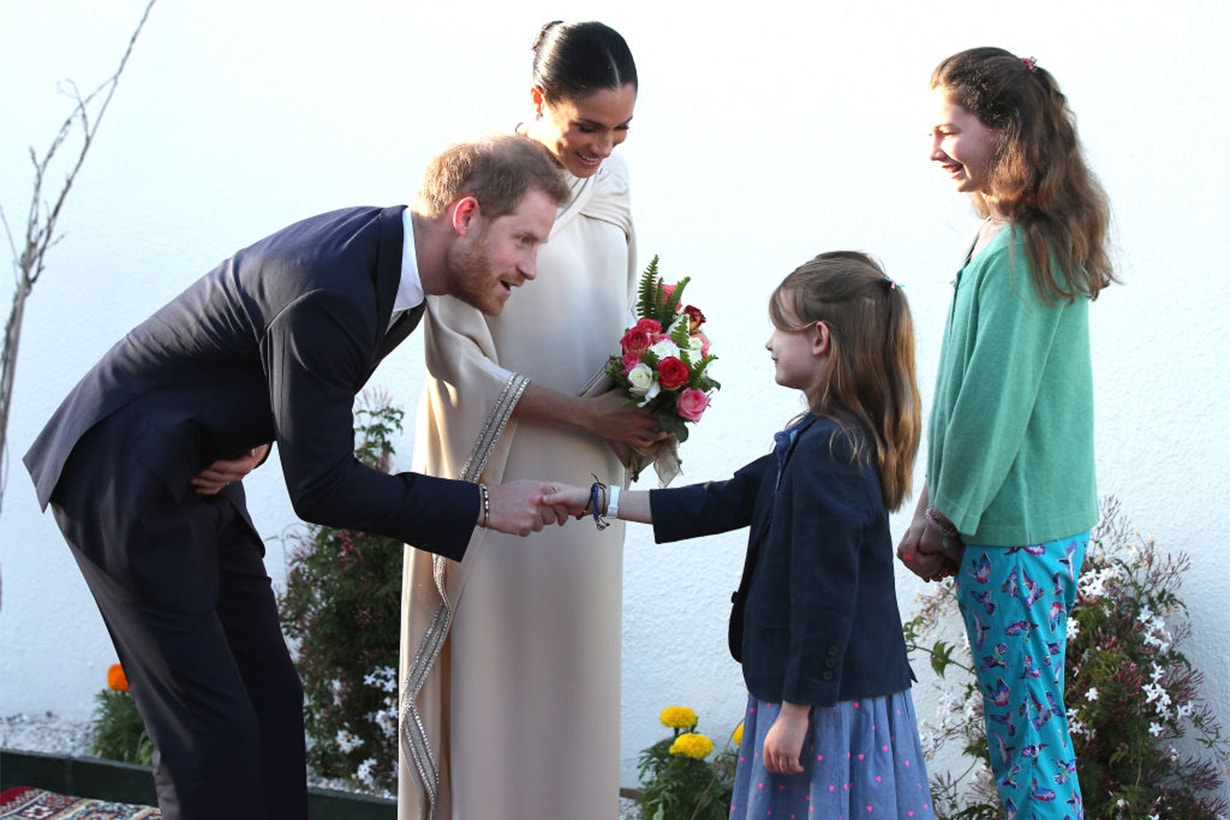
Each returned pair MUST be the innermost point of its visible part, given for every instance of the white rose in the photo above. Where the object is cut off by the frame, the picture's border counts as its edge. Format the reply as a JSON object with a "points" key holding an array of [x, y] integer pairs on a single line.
{"points": [[641, 381], [651, 394], [665, 348]]}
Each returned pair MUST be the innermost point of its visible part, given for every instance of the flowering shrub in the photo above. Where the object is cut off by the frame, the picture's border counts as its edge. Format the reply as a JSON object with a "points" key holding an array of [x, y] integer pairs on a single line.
{"points": [[664, 358], [119, 733], [1131, 692], [341, 610], [678, 782]]}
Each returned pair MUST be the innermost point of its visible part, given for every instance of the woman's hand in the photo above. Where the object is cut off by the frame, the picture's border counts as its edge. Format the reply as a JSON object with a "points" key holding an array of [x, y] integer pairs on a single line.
{"points": [[783, 745], [612, 418], [225, 471]]}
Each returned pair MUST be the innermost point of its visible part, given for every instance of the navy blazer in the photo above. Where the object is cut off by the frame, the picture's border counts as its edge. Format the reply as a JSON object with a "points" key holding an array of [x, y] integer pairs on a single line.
{"points": [[273, 345], [818, 603]]}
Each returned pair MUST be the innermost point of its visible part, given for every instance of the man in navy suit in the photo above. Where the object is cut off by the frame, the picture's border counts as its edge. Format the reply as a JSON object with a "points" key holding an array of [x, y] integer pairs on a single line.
{"points": [[141, 463]]}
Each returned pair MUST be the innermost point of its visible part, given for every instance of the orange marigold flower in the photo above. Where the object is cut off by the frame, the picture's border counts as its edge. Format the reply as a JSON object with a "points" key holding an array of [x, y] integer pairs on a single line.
{"points": [[116, 679]]}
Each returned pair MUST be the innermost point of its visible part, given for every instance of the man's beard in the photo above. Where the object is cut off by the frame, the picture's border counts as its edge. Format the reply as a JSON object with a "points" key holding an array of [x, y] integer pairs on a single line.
{"points": [[469, 276]]}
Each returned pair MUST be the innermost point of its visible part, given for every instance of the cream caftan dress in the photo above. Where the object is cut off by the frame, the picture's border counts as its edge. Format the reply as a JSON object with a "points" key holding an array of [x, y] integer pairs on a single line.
{"points": [[510, 659]]}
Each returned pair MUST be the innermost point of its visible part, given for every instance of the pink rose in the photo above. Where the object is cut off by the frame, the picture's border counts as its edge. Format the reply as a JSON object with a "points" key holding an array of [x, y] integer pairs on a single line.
{"points": [[636, 340], [692, 404], [630, 360], [650, 326], [673, 373]]}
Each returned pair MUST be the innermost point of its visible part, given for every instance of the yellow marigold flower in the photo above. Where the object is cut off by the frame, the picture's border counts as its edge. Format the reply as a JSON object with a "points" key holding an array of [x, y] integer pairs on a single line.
{"points": [[116, 679], [737, 736], [678, 717], [693, 745]]}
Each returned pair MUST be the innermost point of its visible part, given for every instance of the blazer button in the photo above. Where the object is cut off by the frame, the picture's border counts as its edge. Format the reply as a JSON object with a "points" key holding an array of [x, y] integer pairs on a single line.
{"points": [[828, 676], [830, 663], [833, 651]]}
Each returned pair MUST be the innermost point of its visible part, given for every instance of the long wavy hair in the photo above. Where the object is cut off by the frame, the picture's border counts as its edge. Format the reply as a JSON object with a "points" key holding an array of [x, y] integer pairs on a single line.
{"points": [[870, 372], [1038, 178]]}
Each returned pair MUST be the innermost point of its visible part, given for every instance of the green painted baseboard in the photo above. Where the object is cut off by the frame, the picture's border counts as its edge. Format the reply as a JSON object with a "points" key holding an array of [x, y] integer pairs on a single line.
{"points": [[125, 783]]}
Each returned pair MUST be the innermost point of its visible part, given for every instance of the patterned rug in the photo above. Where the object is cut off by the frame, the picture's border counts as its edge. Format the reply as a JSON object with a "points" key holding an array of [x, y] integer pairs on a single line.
{"points": [[25, 803]]}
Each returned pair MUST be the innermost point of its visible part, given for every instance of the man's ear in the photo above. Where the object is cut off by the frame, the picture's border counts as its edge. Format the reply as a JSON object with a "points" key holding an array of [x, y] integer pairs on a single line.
{"points": [[465, 212]]}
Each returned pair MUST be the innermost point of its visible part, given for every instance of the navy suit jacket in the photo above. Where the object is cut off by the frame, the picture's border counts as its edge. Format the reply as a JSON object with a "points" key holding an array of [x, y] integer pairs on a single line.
{"points": [[818, 605], [273, 345]]}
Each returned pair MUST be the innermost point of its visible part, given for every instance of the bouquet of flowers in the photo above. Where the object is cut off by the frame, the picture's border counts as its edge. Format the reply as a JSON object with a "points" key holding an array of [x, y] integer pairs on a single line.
{"points": [[662, 365]]}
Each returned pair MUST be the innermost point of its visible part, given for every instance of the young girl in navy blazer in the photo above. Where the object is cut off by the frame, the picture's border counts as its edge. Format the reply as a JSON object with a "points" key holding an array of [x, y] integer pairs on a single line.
{"points": [[830, 728]]}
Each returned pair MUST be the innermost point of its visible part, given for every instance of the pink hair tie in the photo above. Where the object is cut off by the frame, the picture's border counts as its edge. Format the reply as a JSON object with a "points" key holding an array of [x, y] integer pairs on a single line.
{"points": [[1030, 63]]}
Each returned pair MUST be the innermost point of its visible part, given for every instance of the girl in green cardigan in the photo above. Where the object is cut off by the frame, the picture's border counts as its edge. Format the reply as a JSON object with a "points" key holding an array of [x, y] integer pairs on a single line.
{"points": [[1010, 495]]}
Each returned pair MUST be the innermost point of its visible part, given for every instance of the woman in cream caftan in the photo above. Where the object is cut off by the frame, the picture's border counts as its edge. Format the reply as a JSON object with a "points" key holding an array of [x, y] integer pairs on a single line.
{"points": [[511, 658]]}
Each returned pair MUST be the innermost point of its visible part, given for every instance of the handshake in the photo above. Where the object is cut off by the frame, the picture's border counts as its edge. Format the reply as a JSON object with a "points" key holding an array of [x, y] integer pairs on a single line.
{"points": [[525, 506]]}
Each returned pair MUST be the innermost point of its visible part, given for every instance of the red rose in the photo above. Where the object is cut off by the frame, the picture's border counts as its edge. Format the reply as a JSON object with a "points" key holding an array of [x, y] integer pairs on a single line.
{"points": [[692, 404], [673, 373], [695, 317], [649, 326], [636, 340]]}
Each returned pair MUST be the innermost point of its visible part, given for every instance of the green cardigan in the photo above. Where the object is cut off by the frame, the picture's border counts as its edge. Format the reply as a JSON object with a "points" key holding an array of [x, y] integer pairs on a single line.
{"points": [[1011, 438]]}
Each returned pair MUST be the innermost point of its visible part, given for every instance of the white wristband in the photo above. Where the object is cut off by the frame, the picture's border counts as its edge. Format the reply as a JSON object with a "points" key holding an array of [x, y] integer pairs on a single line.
{"points": [[612, 506]]}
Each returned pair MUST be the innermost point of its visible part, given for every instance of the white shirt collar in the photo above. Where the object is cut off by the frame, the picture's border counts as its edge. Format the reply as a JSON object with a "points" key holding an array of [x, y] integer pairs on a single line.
{"points": [[410, 289]]}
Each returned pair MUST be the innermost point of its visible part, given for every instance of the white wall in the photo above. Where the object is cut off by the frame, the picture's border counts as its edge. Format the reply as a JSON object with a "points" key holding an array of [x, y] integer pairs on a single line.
{"points": [[759, 140]]}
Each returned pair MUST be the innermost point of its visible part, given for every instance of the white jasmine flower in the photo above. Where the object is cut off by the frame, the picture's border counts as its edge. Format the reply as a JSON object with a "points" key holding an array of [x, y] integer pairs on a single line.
{"points": [[364, 772], [1156, 729], [384, 679], [348, 742], [1092, 694]]}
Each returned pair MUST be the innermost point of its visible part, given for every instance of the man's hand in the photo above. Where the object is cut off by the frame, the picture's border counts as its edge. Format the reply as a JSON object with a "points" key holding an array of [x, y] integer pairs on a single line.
{"points": [[224, 471], [520, 507]]}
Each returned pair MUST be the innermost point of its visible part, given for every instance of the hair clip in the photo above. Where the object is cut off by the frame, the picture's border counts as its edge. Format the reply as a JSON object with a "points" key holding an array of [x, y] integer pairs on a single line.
{"points": [[891, 282], [1030, 63]]}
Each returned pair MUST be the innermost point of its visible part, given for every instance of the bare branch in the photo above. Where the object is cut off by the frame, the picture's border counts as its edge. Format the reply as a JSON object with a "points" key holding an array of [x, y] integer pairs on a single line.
{"points": [[41, 222]]}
